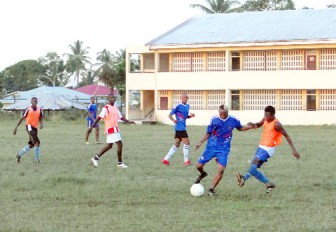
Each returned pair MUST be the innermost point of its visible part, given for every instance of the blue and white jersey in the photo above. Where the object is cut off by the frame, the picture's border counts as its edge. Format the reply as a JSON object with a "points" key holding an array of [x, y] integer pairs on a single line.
{"points": [[181, 113], [92, 109], [220, 131]]}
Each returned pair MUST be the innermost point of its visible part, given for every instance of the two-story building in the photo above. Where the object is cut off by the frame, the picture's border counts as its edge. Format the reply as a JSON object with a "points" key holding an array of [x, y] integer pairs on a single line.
{"points": [[244, 60]]}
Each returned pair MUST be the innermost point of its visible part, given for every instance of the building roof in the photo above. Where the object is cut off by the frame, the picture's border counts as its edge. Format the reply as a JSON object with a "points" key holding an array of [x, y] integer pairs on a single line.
{"points": [[69, 93], [97, 90], [252, 27]]}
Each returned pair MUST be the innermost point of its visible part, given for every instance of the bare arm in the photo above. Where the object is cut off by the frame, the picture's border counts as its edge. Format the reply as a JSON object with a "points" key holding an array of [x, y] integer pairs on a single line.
{"points": [[126, 120], [19, 123], [172, 119], [41, 122], [248, 126], [280, 128], [204, 138]]}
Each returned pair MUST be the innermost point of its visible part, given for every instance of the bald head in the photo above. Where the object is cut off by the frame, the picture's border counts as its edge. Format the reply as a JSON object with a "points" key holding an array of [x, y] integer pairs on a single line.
{"points": [[223, 111]]}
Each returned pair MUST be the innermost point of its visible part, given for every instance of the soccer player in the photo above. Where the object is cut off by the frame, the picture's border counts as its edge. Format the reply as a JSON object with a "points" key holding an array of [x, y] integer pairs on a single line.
{"points": [[181, 112], [111, 114], [271, 137], [218, 136], [92, 115], [33, 115]]}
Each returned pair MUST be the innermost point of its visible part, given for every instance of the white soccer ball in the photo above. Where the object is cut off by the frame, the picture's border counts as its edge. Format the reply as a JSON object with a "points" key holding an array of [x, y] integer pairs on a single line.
{"points": [[197, 190]]}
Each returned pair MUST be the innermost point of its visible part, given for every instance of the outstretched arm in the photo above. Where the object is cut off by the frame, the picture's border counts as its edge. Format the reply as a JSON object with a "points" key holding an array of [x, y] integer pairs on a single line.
{"points": [[280, 128], [248, 126], [126, 120]]}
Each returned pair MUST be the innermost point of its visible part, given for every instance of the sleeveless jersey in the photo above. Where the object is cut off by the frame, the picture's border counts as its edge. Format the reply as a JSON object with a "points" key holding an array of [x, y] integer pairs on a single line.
{"points": [[270, 137], [33, 116], [111, 115]]}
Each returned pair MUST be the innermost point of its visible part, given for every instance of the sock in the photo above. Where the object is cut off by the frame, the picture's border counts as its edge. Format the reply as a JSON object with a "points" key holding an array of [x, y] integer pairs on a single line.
{"points": [[24, 151], [170, 153], [96, 157], [258, 175], [37, 153], [186, 152], [247, 176]]}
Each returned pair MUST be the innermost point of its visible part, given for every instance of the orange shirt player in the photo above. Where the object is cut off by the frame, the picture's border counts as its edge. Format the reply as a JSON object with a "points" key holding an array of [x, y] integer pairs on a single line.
{"points": [[271, 137], [110, 114], [33, 115]]}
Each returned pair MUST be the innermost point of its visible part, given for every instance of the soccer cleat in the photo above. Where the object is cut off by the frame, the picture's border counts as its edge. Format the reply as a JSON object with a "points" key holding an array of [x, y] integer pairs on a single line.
{"points": [[18, 158], [187, 163], [122, 165], [269, 187], [200, 177], [95, 162], [212, 193], [87, 143], [38, 161], [98, 142], [165, 162], [240, 179]]}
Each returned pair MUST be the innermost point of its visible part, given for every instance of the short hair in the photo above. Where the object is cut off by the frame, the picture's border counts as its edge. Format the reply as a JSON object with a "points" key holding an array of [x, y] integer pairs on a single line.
{"points": [[224, 107], [33, 98], [270, 109]]}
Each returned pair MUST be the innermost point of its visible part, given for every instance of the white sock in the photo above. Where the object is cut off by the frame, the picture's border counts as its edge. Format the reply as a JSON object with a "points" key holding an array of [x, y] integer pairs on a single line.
{"points": [[170, 153], [186, 152]]}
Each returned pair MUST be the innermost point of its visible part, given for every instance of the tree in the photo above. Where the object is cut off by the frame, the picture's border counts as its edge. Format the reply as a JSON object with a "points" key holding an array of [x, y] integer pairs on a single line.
{"points": [[22, 76], [106, 68], [54, 73], [217, 6], [88, 78], [77, 60], [267, 5]]}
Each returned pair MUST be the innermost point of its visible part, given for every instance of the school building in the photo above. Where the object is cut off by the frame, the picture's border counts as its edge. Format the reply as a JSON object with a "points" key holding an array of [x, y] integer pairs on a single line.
{"points": [[244, 60]]}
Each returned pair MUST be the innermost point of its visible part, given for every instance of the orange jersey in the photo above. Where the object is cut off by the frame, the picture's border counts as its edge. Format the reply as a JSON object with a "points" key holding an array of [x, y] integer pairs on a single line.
{"points": [[33, 116], [111, 115], [270, 137]]}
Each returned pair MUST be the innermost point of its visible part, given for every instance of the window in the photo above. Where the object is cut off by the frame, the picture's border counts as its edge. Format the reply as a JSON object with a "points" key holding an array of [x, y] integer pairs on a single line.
{"points": [[311, 100], [235, 100], [235, 61]]}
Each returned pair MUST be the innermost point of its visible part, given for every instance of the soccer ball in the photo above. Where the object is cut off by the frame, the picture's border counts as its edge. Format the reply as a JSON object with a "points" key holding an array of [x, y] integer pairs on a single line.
{"points": [[197, 190]]}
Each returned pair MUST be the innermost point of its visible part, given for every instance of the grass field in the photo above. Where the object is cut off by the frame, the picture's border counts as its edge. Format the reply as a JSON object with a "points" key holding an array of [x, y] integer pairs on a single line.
{"points": [[66, 193]]}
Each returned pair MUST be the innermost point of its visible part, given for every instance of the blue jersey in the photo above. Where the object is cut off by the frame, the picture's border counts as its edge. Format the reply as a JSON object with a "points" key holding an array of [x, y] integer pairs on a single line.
{"points": [[92, 109], [220, 131], [181, 112]]}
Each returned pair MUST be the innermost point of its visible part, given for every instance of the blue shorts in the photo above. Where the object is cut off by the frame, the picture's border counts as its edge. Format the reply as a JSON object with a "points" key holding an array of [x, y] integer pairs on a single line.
{"points": [[221, 155], [262, 156], [90, 122]]}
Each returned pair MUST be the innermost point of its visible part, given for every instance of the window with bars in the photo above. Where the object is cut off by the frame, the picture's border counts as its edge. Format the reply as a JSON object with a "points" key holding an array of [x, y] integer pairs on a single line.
{"points": [[187, 62], [195, 98], [291, 100], [259, 61], [215, 99], [328, 59], [328, 99], [235, 99], [148, 61], [216, 61], [292, 60], [258, 99]]}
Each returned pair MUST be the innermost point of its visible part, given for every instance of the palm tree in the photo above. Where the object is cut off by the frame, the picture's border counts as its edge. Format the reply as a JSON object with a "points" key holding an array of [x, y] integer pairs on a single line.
{"points": [[217, 6], [262, 5], [106, 68], [77, 60]]}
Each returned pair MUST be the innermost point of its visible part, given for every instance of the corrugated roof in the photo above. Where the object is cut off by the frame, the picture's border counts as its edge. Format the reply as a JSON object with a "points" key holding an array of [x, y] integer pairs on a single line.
{"points": [[97, 90], [252, 27]]}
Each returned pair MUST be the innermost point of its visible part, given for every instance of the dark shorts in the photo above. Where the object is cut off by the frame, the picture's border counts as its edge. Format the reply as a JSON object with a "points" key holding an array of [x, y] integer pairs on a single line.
{"points": [[33, 138], [181, 134]]}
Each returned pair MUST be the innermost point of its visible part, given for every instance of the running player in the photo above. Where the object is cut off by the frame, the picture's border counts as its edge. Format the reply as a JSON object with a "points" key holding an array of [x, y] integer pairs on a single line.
{"points": [[218, 136], [271, 137], [33, 115], [181, 112], [111, 114]]}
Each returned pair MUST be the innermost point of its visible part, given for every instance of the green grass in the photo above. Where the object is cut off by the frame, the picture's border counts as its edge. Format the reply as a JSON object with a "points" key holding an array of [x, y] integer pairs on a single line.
{"points": [[66, 193]]}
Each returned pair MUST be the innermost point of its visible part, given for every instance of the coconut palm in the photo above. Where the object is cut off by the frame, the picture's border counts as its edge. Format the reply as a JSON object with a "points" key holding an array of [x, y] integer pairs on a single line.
{"points": [[77, 60], [217, 6]]}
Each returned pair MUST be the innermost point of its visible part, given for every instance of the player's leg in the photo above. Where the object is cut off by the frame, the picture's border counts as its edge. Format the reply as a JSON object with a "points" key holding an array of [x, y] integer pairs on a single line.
{"points": [[87, 134], [202, 160], [24, 150], [119, 153], [172, 150], [222, 159], [96, 158], [36, 141], [186, 143], [97, 134]]}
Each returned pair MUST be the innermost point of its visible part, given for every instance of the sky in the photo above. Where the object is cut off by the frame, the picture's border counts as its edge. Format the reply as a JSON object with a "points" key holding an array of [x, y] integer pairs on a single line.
{"points": [[32, 28]]}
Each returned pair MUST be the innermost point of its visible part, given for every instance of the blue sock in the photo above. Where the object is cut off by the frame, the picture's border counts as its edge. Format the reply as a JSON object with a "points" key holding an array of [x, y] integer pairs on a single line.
{"points": [[37, 153], [23, 151], [258, 175]]}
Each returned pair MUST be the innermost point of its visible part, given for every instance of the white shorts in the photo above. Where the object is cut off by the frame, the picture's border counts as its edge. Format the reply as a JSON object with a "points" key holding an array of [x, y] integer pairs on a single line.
{"points": [[112, 138]]}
